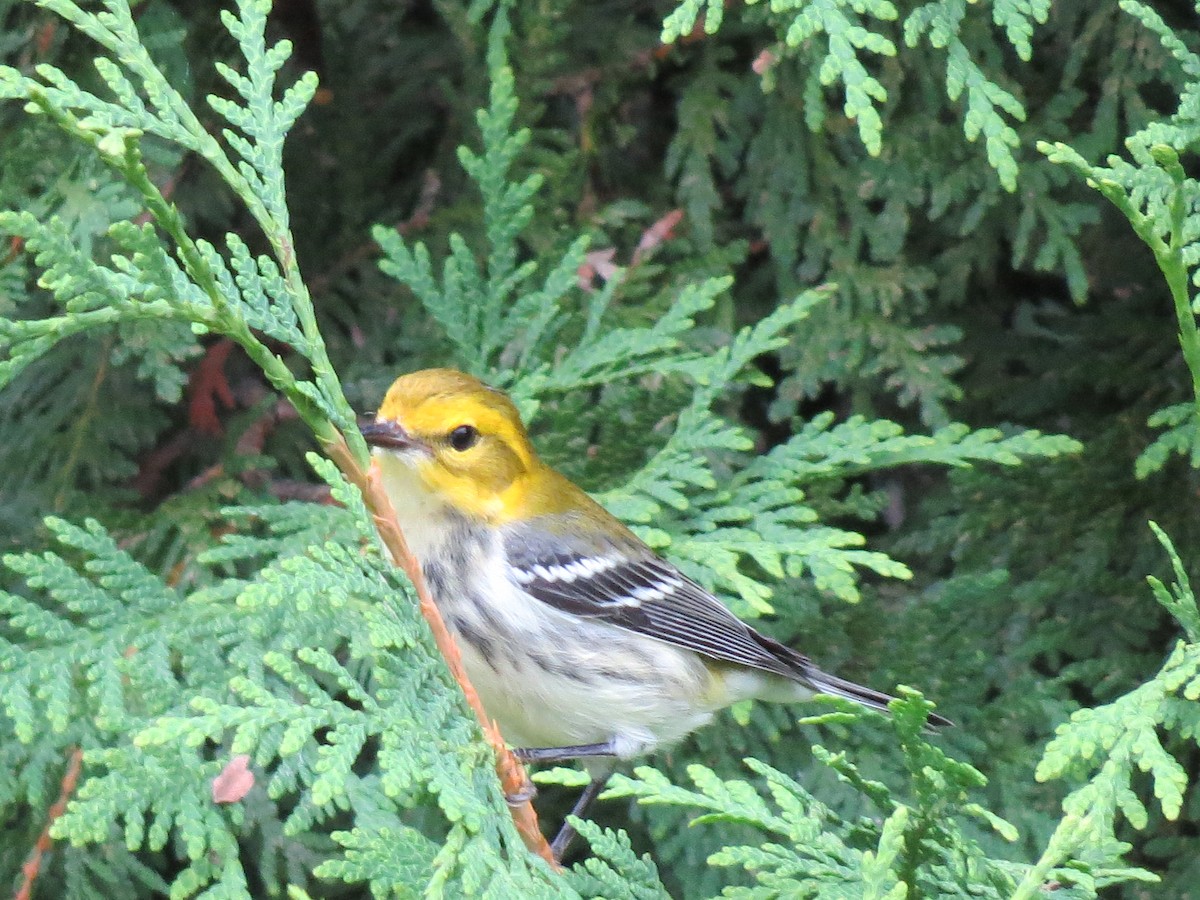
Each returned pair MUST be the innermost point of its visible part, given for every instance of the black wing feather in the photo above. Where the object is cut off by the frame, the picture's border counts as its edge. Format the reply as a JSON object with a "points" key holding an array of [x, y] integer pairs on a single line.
{"points": [[619, 580], [630, 587]]}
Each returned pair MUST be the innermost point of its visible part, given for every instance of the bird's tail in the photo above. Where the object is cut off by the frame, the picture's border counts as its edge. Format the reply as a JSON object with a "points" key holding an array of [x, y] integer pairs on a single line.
{"points": [[806, 679], [824, 683]]}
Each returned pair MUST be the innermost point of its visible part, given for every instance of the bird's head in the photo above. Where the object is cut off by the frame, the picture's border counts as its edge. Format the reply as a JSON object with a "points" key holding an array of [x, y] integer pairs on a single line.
{"points": [[462, 440]]}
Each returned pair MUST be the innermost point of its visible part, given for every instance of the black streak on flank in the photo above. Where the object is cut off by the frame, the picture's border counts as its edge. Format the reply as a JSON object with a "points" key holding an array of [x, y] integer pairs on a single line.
{"points": [[437, 578], [467, 633]]}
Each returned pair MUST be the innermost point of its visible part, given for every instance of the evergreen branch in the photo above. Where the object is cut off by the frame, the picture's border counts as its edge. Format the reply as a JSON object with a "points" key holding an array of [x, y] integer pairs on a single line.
{"points": [[1168, 252], [120, 149], [680, 21], [494, 311], [1179, 600], [845, 37], [841, 24], [1018, 18], [614, 872], [986, 100], [1160, 202], [287, 702], [1115, 740], [1171, 261], [627, 352], [1166, 229], [509, 769], [920, 851], [739, 521], [113, 131]]}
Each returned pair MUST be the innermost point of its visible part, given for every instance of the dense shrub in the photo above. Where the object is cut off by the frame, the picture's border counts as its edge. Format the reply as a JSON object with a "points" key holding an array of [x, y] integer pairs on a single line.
{"points": [[877, 318]]}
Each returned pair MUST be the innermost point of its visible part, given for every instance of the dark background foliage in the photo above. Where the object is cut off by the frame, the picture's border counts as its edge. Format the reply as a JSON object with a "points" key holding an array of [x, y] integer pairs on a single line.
{"points": [[957, 300]]}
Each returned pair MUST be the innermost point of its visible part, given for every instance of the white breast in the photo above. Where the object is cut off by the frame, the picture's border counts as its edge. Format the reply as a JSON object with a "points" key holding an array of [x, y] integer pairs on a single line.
{"points": [[548, 678], [422, 517]]}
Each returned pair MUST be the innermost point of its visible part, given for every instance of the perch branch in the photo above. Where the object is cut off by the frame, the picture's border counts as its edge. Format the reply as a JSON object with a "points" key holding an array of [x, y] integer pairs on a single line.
{"points": [[509, 769]]}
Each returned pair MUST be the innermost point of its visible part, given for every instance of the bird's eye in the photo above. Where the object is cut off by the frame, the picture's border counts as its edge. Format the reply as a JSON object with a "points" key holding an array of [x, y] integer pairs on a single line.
{"points": [[464, 437]]}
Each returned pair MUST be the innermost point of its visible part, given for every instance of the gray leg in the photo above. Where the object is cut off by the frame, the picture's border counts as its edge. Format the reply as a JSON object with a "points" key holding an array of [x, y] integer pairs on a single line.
{"points": [[566, 834], [600, 776], [563, 754]]}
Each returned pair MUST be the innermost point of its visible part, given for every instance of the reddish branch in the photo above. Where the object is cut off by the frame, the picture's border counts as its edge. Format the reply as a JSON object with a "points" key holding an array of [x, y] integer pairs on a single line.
{"points": [[208, 387], [511, 773], [33, 865]]}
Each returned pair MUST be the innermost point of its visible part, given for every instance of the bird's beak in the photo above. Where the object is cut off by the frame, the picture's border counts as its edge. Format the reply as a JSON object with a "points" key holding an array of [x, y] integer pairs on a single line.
{"points": [[389, 435]]}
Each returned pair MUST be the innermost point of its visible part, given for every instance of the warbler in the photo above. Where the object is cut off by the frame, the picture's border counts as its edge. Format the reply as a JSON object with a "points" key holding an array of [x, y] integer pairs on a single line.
{"points": [[581, 641]]}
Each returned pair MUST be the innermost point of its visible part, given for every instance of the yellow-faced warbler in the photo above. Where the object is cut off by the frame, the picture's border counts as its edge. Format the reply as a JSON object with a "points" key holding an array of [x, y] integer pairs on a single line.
{"points": [[581, 641]]}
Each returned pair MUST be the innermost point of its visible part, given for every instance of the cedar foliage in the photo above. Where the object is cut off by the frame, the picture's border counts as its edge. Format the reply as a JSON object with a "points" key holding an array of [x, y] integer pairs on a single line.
{"points": [[902, 379]]}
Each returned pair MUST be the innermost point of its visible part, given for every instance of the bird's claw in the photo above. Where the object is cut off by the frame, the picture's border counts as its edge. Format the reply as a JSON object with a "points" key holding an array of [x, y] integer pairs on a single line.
{"points": [[526, 793]]}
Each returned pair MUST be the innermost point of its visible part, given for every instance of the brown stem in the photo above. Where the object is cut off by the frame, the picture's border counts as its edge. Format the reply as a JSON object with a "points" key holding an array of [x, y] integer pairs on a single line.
{"points": [[509, 769], [33, 865]]}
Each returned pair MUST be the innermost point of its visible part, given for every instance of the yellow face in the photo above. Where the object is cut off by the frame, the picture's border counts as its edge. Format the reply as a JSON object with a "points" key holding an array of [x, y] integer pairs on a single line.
{"points": [[462, 439]]}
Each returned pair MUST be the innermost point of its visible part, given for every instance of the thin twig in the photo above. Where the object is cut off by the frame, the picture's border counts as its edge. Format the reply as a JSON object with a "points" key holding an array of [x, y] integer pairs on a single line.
{"points": [[33, 865], [80, 423], [509, 769]]}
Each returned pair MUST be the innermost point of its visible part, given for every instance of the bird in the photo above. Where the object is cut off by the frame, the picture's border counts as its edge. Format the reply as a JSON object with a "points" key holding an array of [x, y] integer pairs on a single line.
{"points": [[582, 642]]}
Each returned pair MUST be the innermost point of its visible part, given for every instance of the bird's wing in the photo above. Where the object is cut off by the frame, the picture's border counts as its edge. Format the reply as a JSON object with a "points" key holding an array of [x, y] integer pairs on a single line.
{"points": [[619, 580]]}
